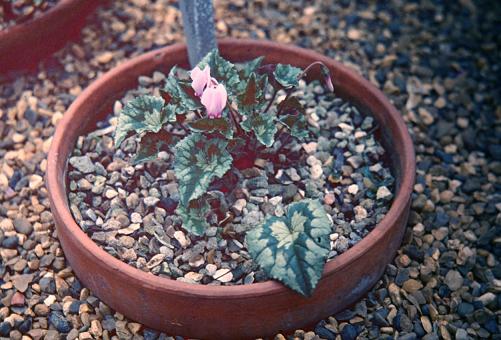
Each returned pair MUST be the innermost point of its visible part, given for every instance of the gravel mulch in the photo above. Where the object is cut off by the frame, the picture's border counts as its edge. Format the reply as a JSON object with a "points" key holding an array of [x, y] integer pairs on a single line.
{"points": [[23, 11], [130, 210], [438, 61]]}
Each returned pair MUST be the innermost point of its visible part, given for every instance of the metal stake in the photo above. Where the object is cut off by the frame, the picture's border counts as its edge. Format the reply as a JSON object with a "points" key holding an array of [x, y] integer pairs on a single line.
{"points": [[199, 28]]}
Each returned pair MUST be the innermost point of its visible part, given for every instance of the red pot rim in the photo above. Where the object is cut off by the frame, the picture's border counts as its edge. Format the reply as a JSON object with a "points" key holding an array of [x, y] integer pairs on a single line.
{"points": [[23, 45], [56, 186]]}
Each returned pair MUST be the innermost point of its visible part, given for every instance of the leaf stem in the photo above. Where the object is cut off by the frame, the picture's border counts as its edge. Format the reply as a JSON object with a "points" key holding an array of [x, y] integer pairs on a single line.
{"points": [[284, 143], [271, 101], [184, 128], [236, 121], [289, 92]]}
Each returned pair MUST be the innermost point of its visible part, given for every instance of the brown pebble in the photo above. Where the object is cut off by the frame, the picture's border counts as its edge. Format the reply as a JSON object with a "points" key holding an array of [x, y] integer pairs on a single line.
{"points": [[17, 299], [412, 286]]}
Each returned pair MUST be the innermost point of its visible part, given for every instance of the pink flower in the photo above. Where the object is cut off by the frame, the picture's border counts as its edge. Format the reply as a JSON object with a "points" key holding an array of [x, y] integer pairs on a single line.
{"points": [[214, 99], [200, 79]]}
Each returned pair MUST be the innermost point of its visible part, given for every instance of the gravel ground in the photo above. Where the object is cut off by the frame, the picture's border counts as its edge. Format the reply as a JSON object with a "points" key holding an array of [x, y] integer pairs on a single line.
{"points": [[439, 62], [24, 10]]}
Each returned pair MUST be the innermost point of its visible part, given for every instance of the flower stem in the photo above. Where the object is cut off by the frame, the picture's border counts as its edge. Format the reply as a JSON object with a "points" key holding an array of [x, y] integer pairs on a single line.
{"points": [[286, 141], [234, 117], [309, 67], [184, 128]]}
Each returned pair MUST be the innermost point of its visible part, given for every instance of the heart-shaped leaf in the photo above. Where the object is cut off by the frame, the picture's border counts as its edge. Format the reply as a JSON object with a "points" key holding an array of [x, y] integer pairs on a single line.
{"points": [[293, 249], [194, 216], [252, 99], [297, 125], [151, 144], [142, 114], [263, 126], [290, 105], [198, 161], [180, 93], [246, 72], [208, 125], [287, 75], [250, 67], [222, 70]]}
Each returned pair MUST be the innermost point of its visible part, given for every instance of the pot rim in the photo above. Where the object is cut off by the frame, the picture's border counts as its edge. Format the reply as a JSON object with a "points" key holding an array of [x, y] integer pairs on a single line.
{"points": [[40, 19], [59, 203]]}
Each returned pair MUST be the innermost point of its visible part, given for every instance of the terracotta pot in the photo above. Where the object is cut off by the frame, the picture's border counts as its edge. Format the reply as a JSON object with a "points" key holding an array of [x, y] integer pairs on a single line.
{"points": [[242, 311], [25, 44]]}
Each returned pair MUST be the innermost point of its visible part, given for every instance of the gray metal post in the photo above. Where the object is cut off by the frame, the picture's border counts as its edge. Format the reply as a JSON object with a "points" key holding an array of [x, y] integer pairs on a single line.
{"points": [[199, 29]]}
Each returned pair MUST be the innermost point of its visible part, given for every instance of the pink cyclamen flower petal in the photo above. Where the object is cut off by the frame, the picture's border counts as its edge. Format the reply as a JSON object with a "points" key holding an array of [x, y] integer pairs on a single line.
{"points": [[200, 79], [214, 99]]}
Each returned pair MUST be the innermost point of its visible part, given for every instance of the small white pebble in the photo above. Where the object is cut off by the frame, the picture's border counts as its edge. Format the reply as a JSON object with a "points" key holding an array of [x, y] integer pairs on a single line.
{"points": [[383, 193], [223, 275], [211, 269], [353, 189], [136, 217], [181, 238]]}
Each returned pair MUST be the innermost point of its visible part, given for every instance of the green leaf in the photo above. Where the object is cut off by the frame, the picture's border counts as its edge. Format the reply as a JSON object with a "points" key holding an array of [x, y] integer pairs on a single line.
{"points": [[249, 97], [222, 70], [198, 161], [290, 105], [293, 249], [252, 99], [297, 125], [287, 75], [194, 216], [142, 114], [208, 125], [247, 69], [151, 144], [263, 126], [181, 94], [250, 67]]}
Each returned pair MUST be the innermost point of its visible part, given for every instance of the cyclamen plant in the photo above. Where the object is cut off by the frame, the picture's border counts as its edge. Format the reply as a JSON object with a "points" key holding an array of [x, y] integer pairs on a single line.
{"points": [[219, 118]]}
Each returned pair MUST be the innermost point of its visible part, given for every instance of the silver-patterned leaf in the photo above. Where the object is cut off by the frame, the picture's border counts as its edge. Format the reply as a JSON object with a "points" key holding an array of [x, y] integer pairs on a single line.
{"points": [[293, 249], [287, 75], [194, 216], [198, 161], [263, 126], [222, 70], [209, 125], [151, 144], [181, 94], [142, 114], [297, 124]]}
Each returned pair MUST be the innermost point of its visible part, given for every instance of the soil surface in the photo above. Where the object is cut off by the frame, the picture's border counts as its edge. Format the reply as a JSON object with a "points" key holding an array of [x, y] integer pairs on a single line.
{"points": [[21, 11], [130, 210]]}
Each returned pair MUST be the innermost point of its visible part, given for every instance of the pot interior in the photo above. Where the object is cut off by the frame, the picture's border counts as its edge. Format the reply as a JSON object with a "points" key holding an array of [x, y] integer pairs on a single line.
{"points": [[383, 133]]}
